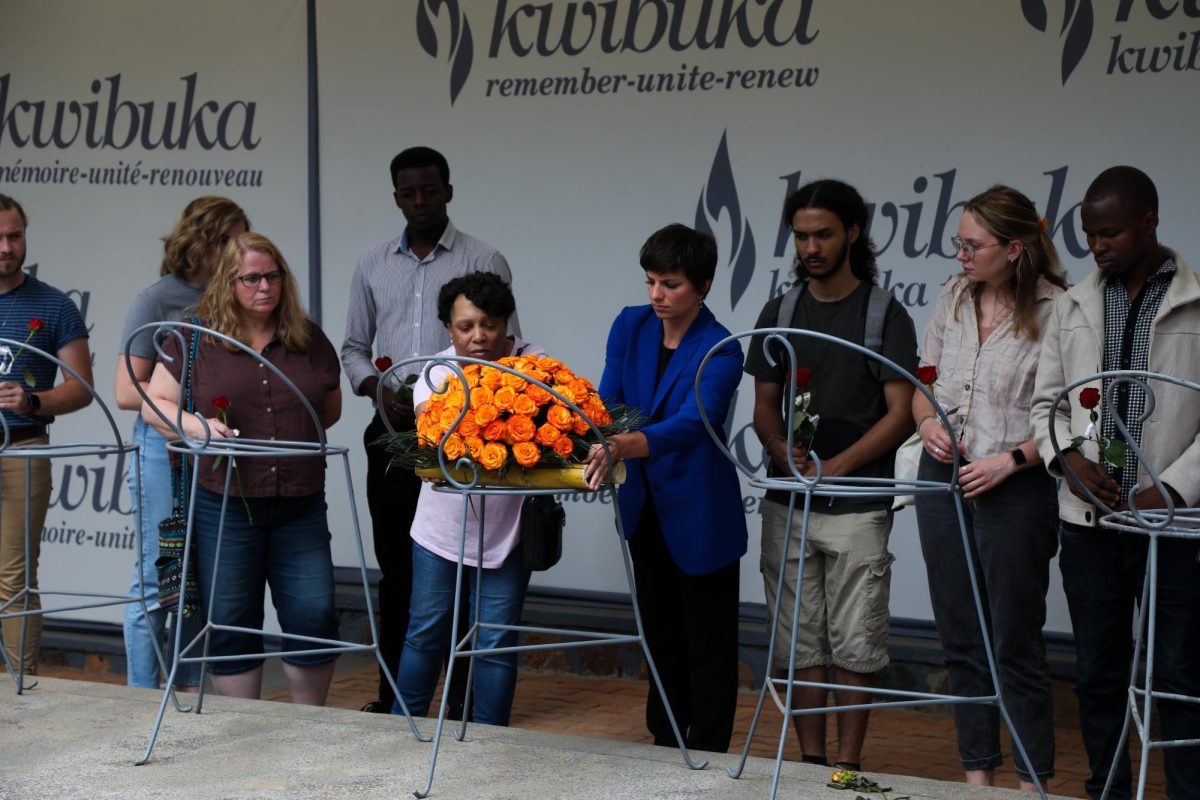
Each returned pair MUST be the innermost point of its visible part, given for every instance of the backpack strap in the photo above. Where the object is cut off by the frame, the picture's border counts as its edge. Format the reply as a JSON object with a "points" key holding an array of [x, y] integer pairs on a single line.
{"points": [[877, 306]]}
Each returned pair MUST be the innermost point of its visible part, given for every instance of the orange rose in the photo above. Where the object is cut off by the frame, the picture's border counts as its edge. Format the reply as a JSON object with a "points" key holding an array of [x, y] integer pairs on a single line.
{"points": [[481, 396], [567, 395], [485, 414], [539, 395], [490, 377], [548, 363], [579, 424], [538, 374], [474, 447], [455, 447], [446, 420], [520, 364], [515, 381], [580, 387], [471, 372], [495, 430], [504, 397], [493, 456], [456, 398], [547, 434], [564, 376], [559, 417], [527, 454], [524, 404], [468, 427], [564, 446], [600, 415], [520, 428]]}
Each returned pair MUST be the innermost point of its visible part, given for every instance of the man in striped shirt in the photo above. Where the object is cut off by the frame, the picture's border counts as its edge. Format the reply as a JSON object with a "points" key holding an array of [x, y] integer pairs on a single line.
{"points": [[393, 313], [43, 317]]}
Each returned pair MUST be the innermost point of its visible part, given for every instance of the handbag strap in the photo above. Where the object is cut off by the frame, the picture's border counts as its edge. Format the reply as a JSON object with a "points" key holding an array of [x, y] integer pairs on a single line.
{"points": [[179, 477]]}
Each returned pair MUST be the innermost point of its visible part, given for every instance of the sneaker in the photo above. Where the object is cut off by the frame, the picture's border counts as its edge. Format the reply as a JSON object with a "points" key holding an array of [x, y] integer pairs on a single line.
{"points": [[376, 707]]}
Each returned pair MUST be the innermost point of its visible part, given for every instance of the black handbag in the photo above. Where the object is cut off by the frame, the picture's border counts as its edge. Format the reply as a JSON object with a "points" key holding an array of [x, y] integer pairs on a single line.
{"points": [[542, 521]]}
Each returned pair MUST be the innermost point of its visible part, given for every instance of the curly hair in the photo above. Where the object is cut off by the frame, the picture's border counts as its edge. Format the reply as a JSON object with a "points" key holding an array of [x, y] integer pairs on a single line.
{"points": [[487, 291], [198, 235], [1010, 216], [219, 308]]}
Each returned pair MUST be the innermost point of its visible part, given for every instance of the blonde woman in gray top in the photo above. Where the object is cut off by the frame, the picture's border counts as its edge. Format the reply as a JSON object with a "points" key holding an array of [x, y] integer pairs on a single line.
{"points": [[984, 341]]}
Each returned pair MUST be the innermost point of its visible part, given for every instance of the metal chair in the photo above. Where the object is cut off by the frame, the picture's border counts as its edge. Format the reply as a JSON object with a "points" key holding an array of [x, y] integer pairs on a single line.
{"points": [[190, 447], [31, 452], [819, 485], [464, 645], [1170, 522]]}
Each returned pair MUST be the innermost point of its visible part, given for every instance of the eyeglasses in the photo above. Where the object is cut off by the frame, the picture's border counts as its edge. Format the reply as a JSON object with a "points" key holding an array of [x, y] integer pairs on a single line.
{"points": [[251, 280], [968, 248]]}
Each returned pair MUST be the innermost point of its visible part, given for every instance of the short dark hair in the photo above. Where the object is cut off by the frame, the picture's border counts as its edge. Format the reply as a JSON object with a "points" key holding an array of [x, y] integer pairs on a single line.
{"points": [[486, 290], [9, 204], [848, 205], [1130, 184], [417, 157], [678, 248]]}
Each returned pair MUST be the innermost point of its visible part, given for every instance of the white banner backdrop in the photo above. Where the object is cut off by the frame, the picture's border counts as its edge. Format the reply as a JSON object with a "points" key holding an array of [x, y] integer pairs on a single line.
{"points": [[112, 117], [574, 129]]}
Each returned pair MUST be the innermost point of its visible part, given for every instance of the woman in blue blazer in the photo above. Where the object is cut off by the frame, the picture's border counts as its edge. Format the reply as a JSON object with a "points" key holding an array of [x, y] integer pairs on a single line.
{"points": [[681, 504]]}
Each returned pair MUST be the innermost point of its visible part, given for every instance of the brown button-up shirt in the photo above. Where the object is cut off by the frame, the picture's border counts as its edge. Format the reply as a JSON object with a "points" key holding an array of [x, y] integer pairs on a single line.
{"points": [[261, 406]]}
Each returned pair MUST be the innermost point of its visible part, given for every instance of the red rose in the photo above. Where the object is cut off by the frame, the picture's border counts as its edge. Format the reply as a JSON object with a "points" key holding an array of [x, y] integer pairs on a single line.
{"points": [[927, 374], [1089, 397], [221, 403], [36, 325], [803, 376], [383, 363]]}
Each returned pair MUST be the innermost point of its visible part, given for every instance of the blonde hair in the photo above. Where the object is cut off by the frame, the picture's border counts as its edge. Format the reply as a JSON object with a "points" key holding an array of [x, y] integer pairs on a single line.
{"points": [[1010, 216], [197, 235], [219, 308]]}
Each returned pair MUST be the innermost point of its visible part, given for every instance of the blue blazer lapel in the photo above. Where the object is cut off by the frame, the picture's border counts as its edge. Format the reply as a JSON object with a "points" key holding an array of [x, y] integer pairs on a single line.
{"points": [[683, 355], [649, 338]]}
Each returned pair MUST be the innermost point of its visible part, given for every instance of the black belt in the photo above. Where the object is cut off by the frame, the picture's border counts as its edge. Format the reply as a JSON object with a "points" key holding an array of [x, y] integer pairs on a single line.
{"points": [[25, 434]]}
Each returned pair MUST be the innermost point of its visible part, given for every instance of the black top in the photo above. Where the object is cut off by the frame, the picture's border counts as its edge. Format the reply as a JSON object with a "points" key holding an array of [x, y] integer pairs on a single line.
{"points": [[844, 393]]}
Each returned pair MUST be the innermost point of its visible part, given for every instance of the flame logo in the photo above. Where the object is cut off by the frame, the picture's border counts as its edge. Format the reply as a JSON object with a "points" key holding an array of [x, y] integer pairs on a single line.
{"points": [[1076, 30], [720, 195], [462, 47]]}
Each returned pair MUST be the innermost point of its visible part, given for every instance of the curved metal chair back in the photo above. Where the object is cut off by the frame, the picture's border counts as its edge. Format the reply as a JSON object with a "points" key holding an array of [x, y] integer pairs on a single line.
{"points": [[28, 452], [207, 445], [1180, 522], [776, 340]]}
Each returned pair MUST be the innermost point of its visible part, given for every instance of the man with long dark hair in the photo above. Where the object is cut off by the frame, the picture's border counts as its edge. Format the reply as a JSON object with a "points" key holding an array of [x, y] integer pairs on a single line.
{"points": [[864, 416]]}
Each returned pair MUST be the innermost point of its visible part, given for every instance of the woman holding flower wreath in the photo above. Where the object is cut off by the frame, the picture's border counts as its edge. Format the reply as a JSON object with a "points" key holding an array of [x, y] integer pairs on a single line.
{"points": [[681, 505], [980, 356], [275, 531], [475, 309]]}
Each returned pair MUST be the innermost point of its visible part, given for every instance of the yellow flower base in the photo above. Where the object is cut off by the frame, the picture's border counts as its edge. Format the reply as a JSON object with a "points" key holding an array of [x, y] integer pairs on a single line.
{"points": [[537, 478]]}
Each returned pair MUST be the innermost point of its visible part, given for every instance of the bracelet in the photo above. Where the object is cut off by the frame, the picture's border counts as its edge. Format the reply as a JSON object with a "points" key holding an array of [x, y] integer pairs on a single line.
{"points": [[923, 420]]}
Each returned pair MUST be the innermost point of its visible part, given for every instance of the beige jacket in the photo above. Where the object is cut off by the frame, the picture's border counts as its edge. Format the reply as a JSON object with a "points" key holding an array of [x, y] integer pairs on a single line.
{"points": [[1073, 348]]}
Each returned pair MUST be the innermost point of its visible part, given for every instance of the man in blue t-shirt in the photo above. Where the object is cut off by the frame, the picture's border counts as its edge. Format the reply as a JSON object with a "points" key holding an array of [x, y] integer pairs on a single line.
{"points": [[32, 314]]}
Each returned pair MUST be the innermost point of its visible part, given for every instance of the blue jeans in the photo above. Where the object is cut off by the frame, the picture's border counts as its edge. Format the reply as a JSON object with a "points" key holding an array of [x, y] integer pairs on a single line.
{"points": [[286, 547], [430, 616], [1103, 571], [156, 503], [1012, 531]]}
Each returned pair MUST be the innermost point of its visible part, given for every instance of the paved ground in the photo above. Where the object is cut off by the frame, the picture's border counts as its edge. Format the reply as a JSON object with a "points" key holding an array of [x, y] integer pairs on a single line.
{"points": [[900, 742]]}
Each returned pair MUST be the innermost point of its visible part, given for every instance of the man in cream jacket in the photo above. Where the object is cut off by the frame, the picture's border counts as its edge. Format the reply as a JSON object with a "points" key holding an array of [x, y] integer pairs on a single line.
{"points": [[1140, 310]]}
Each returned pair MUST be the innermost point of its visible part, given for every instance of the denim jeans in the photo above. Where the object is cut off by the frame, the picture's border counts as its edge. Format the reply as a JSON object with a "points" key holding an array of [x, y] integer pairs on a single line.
{"points": [[1103, 573], [1011, 530], [155, 502], [287, 547], [430, 616]]}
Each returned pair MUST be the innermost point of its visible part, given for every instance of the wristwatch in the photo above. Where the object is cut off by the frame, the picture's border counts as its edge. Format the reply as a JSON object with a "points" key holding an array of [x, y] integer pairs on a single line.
{"points": [[35, 402], [1018, 457]]}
